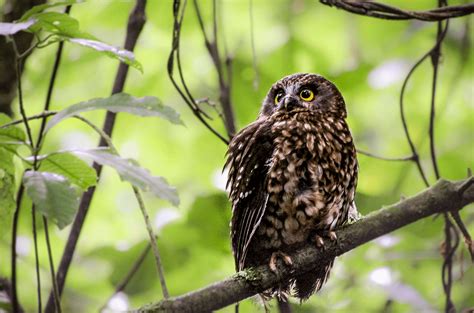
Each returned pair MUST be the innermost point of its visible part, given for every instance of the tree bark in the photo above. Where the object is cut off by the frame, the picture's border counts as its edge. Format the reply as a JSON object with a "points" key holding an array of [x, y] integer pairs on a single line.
{"points": [[445, 196]]}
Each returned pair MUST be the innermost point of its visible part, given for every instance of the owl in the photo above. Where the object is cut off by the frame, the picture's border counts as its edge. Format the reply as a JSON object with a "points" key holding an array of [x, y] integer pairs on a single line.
{"points": [[292, 176]]}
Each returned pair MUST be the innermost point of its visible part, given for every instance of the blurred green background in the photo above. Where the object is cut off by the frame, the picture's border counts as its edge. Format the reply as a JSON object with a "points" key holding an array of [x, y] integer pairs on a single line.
{"points": [[366, 58]]}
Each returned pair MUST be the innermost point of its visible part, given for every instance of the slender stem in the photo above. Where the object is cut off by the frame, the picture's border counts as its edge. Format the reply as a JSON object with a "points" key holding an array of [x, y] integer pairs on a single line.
{"points": [[435, 56], [154, 245], [57, 302], [408, 158], [37, 263], [256, 78], [16, 215], [130, 274], [30, 118], [135, 25]]}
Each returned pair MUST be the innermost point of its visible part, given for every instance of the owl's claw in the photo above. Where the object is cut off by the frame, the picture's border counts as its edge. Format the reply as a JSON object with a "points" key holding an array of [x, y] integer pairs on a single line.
{"points": [[284, 257], [320, 241]]}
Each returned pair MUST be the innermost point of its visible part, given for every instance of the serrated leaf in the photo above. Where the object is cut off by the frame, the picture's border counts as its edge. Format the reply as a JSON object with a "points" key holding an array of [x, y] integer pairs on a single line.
{"points": [[7, 190], [122, 55], [13, 28], [121, 102], [53, 195], [40, 8], [76, 170], [131, 172]]}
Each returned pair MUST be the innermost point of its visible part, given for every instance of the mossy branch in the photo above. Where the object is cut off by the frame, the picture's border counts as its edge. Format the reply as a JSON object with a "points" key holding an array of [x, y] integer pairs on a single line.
{"points": [[445, 196]]}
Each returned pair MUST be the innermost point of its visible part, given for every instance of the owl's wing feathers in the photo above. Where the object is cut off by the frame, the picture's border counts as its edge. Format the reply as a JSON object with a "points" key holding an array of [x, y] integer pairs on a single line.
{"points": [[247, 162]]}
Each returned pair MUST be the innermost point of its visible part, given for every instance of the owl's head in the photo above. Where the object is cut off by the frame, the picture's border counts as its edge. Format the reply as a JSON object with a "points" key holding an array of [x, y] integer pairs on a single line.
{"points": [[303, 91]]}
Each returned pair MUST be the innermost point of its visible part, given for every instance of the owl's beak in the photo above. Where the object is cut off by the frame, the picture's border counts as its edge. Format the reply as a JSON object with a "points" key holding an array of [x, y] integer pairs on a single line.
{"points": [[289, 102]]}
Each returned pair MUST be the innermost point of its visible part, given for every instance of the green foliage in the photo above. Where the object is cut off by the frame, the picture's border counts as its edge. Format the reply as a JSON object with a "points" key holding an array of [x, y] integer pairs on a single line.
{"points": [[53, 195], [121, 102], [7, 190], [74, 169], [130, 171], [402, 270]]}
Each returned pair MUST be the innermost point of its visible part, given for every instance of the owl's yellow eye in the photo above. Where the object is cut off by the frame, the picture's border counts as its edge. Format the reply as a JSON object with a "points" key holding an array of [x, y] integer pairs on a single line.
{"points": [[278, 97], [307, 95]]}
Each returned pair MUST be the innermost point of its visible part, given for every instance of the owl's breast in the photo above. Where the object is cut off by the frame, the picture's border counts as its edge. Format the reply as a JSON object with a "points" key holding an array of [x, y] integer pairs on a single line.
{"points": [[309, 179]]}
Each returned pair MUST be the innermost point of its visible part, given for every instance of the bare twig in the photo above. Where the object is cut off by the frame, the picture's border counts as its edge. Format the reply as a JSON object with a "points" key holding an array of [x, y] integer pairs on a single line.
{"points": [[30, 118], [442, 197], [413, 149], [16, 215], [153, 243], [130, 274], [256, 78], [384, 11], [224, 81], [135, 25], [408, 158], [178, 14]]}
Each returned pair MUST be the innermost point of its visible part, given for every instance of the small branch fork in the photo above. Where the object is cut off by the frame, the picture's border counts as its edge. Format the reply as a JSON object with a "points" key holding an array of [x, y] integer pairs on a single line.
{"points": [[183, 90], [384, 11], [444, 196]]}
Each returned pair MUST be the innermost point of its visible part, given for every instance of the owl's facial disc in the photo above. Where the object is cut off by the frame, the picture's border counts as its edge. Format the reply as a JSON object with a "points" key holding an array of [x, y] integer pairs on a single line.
{"points": [[295, 97]]}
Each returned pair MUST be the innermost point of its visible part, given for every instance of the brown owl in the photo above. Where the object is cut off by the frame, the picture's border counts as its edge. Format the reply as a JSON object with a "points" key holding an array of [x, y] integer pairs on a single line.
{"points": [[292, 178]]}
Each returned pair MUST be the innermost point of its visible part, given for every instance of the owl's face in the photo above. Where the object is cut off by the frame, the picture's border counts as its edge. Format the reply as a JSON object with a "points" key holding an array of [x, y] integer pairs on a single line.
{"points": [[303, 92]]}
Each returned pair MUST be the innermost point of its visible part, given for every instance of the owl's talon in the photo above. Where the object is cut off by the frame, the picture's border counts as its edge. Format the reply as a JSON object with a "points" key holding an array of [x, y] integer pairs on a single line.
{"points": [[284, 257], [332, 236], [319, 241]]}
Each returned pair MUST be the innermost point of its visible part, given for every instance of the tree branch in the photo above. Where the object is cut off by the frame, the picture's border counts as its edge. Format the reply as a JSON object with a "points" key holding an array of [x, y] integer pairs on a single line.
{"points": [[444, 196], [384, 11]]}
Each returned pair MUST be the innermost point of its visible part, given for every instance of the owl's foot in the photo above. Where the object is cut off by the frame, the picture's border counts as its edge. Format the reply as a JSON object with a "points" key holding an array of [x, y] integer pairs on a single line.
{"points": [[284, 257], [320, 241]]}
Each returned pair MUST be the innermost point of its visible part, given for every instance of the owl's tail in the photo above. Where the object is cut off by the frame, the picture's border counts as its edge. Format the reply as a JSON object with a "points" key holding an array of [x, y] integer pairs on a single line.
{"points": [[308, 283]]}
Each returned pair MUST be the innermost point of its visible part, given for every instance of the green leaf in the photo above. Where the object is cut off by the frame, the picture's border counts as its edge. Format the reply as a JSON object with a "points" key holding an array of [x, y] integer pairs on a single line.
{"points": [[12, 134], [40, 8], [76, 170], [13, 28], [60, 24], [66, 28], [122, 55], [7, 190], [53, 195], [121, 102], [131, 172]]}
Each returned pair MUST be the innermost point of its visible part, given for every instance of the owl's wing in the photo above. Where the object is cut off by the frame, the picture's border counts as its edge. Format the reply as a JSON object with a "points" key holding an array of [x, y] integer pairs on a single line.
{"points": [[247, 162]]}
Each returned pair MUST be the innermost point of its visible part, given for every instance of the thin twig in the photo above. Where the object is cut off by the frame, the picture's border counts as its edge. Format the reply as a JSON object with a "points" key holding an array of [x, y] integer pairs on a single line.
{"points": [[16, 215], [153, 243], [178, 15], [135, 25], [408, 158], [49, 94], [435, 56], [29, 118], [402, 112], [465, 233], [57, 302], [384, 11], [130, 274], [224, 82], [256, 78], [37, 264], [104, 136]]}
